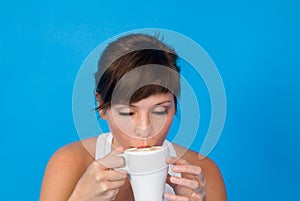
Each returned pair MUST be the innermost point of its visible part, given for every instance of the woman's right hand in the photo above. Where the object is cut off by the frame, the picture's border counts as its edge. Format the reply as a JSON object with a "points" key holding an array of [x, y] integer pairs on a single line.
{"points": [[100, 181]]}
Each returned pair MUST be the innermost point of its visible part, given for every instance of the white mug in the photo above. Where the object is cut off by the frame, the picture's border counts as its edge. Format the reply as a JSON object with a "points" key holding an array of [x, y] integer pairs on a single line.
{"points": [[147, 170]]}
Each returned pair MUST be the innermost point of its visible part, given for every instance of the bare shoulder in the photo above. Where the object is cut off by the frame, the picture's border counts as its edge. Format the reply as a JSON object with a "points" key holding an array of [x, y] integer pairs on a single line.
{"points": [[79, 153], [184, 152], [195, 158], [215, 187], [65, 168]]}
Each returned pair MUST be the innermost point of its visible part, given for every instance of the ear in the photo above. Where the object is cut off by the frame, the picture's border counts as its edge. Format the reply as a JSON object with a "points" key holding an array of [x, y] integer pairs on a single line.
{"points": [[99, 102], [103, 114]]}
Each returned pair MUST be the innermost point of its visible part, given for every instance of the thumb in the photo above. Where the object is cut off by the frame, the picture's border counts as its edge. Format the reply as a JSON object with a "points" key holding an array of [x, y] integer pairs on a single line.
{"points": [[112, 160], [116, 151]]}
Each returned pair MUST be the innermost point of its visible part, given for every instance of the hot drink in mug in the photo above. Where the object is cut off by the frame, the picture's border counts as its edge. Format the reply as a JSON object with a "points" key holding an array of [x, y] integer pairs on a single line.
{"points": [[147, 170]]}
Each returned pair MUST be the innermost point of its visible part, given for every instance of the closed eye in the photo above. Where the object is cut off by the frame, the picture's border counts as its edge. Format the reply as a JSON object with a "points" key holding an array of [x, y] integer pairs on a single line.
{"points": [[160, 112], [126, 114]]}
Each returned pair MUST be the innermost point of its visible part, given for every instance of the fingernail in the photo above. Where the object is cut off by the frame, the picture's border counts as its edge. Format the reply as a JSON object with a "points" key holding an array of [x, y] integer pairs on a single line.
{"points": [[122, 171], [173, 179], [167, 196]]}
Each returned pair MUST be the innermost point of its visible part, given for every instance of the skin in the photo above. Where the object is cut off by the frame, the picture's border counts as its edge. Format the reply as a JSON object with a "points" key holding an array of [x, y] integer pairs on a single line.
{"points": [[73, 174]]}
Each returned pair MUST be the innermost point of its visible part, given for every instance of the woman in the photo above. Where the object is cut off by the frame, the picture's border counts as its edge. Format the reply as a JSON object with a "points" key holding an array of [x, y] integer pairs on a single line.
{"points": [[137, 85]]}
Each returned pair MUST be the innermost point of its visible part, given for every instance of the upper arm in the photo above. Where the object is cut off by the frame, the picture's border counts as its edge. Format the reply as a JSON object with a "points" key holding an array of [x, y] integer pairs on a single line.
{"points": [[63, 171], [215, 187]]}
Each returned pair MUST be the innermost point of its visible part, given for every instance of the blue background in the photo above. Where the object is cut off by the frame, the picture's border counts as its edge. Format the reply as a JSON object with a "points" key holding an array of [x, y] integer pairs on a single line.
{"points": [[255, 45]]}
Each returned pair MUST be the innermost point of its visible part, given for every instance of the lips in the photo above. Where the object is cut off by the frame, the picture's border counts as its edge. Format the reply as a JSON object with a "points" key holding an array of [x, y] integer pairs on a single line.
{"points": [[143, 146]]}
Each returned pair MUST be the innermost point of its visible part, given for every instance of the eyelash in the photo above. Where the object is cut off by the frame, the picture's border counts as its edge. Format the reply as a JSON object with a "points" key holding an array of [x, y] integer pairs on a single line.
{"points": [[160, 112], [126, 114]]}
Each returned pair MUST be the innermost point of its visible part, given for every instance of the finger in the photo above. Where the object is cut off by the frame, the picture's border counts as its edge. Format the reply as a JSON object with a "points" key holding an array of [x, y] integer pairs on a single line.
{"points": [[112, 175], [112, 160], [111, 194], [168, 181], [107, 188], [176, 161], [171, 160], [114, 193], [183, 166], [112, 185], [117, 151], [173, 197], [190, 169], [192, 184]]}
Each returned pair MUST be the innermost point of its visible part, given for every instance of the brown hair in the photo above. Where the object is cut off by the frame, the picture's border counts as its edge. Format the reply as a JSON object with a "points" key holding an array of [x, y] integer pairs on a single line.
{"points": [[140, 55]]}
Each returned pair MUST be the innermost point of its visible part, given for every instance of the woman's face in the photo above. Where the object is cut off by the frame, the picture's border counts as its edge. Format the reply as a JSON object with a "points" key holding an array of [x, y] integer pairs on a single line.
{"points": [[141, 124]]}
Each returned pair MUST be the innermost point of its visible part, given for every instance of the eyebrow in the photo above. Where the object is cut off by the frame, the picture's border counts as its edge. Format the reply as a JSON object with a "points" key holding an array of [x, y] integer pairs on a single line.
{"points": [[167, 101], [131, 105]]}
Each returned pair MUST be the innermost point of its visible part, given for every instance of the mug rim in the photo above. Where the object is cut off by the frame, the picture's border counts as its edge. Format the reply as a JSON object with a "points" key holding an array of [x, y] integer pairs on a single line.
{"points": [[130, 150]]}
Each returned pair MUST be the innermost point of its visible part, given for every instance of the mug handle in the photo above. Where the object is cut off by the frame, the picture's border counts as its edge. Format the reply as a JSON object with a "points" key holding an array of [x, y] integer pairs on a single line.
{"points": [[125, 168]]}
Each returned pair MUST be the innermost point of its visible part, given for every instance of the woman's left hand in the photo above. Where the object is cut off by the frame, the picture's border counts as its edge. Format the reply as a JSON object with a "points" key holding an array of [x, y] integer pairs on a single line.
{"points": [[190, 186]]}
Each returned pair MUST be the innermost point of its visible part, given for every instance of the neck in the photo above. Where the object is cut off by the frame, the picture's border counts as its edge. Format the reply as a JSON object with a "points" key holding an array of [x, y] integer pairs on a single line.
{"points": [[114, 144]]}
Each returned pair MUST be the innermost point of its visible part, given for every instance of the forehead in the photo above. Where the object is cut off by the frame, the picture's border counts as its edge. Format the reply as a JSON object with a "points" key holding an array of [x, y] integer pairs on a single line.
{"points": [[157, 99]]}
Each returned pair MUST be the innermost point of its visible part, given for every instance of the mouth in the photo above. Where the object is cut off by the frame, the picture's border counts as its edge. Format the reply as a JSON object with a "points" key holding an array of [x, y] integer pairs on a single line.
{"points": [[143, 146]]}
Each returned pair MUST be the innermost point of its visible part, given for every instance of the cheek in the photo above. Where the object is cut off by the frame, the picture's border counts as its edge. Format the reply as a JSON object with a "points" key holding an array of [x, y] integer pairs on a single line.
{"points": [[158, 122], [162, 125], [168, 122], [120, 134], [122, 127]]}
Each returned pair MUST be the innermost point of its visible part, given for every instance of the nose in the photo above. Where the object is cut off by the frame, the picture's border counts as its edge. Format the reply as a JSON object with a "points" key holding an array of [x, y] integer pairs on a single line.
{"points": [[143, 125]]}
